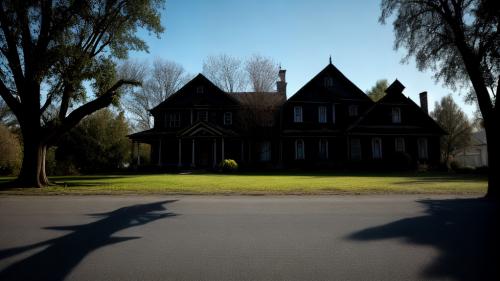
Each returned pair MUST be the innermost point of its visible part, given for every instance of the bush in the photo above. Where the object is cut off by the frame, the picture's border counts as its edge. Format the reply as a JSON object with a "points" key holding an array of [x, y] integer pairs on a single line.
{"points": [[228, 165], [455, 165], [10, 152]]}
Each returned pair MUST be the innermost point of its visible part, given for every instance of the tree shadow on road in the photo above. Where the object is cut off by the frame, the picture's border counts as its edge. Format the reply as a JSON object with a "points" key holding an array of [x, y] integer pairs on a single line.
{"points": [[463, 230], [62, 254]]}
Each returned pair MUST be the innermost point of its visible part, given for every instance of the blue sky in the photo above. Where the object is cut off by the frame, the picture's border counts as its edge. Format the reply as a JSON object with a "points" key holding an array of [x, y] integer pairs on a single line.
{"points": [[300, 35]]}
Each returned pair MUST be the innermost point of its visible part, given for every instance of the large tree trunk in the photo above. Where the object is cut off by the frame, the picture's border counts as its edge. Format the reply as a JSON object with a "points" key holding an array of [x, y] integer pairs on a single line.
{"points": [[492, 138], [33, 166]]}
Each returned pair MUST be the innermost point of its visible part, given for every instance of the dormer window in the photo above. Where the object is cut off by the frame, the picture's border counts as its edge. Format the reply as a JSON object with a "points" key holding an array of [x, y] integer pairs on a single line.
{"points": [[228, 118], [328, 82], [353, 110], [322, 114], [203, 116], [199, 90], [297, 114], [396, 115]]}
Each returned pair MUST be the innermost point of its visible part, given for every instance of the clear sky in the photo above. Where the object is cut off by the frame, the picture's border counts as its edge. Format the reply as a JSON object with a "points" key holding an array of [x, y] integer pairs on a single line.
{"points": [[300, 35]]}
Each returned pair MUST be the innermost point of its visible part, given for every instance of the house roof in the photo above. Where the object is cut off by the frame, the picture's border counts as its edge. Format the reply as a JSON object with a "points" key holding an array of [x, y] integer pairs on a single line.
{"points": [[341, 87]]}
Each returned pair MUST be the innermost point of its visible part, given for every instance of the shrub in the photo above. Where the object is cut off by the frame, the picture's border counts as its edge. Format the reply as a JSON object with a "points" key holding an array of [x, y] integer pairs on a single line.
{"points": [[228, 165]]}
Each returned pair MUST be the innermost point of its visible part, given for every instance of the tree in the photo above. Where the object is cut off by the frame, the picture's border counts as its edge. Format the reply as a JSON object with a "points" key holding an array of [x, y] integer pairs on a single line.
{"points": [[64, 48], [158, 82], [378, 91], [98, 143], [454, 121], [460, 41], [10, 150], [262, 73], [226, 72]]}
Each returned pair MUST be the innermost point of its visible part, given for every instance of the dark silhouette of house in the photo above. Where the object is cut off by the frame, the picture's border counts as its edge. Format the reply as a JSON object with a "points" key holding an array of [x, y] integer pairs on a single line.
{"points": [[329, 122]]}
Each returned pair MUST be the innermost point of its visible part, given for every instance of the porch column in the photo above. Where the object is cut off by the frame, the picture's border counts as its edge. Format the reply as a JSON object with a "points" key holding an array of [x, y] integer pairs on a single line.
{"points": [[179, 164], [159, 152], [242, 153], [215, 153], [138, 154], [222, 153], [192, 154]]}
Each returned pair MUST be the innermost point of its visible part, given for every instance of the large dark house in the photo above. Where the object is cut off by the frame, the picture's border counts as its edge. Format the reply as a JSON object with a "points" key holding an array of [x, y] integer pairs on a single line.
{"points": [[328, 123]]}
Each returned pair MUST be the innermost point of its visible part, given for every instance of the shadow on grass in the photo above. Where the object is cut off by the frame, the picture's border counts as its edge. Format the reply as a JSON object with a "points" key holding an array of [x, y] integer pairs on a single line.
{"points": [[465, 231], [62, 254]]}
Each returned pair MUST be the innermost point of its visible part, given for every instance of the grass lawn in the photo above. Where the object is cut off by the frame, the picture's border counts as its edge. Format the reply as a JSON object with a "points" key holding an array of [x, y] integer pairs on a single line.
{"points": [[262, 183]]}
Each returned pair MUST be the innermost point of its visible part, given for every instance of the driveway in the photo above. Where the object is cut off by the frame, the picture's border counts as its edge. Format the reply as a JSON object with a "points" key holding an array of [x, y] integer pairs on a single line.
{"points": [[247, 238]]}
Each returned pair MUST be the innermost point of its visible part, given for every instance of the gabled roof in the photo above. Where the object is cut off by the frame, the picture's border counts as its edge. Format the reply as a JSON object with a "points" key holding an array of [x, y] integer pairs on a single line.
{"points": [[205, 129], [190, 88], [341, 88], [394, 97]]}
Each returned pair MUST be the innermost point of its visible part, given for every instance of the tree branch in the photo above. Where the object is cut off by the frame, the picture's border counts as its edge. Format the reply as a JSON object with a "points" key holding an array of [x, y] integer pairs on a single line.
{"points": [[78, 114], [11, 101]]}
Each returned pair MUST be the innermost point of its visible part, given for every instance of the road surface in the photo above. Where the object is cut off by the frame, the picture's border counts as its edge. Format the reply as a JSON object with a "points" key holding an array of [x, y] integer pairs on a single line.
{"points": [[247, 238]]}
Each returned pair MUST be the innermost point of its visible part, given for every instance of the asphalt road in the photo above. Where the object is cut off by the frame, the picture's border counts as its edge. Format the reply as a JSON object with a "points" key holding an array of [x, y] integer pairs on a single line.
{"points": [[247, 238]]}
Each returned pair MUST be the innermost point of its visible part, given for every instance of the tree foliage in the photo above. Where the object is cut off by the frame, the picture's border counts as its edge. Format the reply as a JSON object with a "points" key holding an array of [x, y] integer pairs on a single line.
{"points": [[262, 73], [98, 144], [64, 49], [10, 152], [378, 91], [455, 122], [226, 72], [459, 40], [159, 81]]}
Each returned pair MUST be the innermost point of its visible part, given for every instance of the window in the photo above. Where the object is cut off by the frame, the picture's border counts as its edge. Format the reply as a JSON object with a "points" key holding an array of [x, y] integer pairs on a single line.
{"points": [[299, 150], [422, 148], [323, 149], [322, 114], [199, 90], [399, 145], [353, 110], [228, 118], [396, 115], [265, 151], [377, 148], [203, 116], [355, 149], [297, 114], [333, 113], [174, 120], [328, 82]]}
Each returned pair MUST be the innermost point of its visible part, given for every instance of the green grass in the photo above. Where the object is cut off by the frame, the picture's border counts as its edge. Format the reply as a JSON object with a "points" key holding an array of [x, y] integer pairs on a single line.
{"points": [[281, 183]]}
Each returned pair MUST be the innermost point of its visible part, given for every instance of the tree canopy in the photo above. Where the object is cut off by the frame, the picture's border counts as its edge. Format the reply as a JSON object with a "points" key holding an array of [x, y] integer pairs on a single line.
{"points": [[459, 40], [455, 122], [57, 64], [378, 91]]}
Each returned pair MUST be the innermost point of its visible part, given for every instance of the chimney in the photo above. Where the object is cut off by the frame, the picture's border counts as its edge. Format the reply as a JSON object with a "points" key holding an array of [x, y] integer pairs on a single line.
{"points": [[281, 84], [423, 102]]}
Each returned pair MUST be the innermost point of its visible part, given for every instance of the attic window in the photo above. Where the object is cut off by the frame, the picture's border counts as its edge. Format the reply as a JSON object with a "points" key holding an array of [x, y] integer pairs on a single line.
{"points": [[328, 82], [199, 90], [353, 110], [396, 115]]}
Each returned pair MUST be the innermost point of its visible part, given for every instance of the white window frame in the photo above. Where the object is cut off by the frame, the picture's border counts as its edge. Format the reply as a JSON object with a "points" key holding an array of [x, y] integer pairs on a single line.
{"points": [[355, 156], [377, 142], [323, 155], [353, 110], [228, 118], [300, 156], [202, 113], [265, 151], [297, 114], [396, 115], [174, 120], [423, 148], [333, 114], [322, 114], [399, 144]]}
